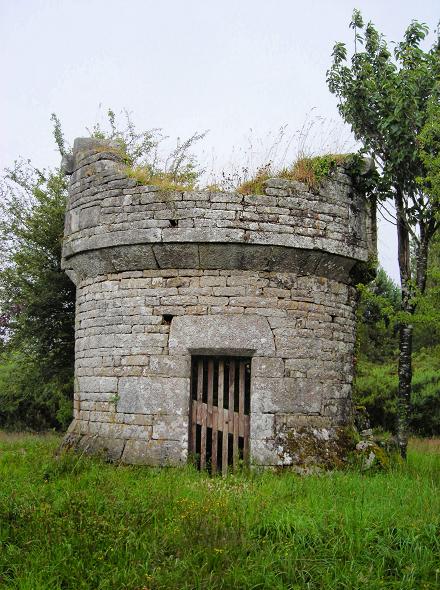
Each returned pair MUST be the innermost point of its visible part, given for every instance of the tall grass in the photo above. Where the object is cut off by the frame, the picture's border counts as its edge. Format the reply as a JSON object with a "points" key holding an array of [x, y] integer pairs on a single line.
{"points": [[276, 151], [73, 522]]}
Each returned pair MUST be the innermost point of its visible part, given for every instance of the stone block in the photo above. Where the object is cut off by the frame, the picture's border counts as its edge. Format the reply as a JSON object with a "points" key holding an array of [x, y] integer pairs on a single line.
{"points": [[267, 367], [170, 428], [89, 216], [154, 453], [111, 448], [296, 395], [209, 234], [170, 365], [153, 395], [221, 335], [262, 426], [134, 257], [177, 255], [263, 452], [97, 384], [212, 281]]}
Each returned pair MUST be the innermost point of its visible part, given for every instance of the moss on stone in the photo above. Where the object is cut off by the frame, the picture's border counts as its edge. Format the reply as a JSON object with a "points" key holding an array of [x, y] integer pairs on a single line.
{"points": [[326, 449], [370, 456], [312, 171], [364, 272]]}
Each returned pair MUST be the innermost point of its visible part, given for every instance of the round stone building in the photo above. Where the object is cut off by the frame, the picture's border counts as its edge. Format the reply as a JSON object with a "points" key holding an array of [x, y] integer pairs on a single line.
{"points": [[211, 326]]}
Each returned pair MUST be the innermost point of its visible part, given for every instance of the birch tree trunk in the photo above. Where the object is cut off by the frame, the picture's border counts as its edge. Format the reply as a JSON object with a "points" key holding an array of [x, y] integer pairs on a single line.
{"points": [[406, 329], [408, 306]]}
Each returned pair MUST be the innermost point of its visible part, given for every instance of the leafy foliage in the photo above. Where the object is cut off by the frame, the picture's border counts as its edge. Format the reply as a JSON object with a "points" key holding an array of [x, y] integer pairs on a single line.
{"points": [[376, 390], [429, 143], [30, 398], [37, 301], [427, 316], [144, 155], [391, 102], [35, 292], [379, 304], [376, 382], [392, 105]]}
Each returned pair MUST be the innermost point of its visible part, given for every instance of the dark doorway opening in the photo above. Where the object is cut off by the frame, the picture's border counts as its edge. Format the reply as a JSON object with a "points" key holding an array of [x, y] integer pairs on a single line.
{"points": [[219, 412]]}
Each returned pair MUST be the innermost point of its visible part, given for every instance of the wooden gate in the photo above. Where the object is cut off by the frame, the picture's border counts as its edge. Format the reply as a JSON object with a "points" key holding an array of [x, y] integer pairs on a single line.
{"points": [[219, 412]]}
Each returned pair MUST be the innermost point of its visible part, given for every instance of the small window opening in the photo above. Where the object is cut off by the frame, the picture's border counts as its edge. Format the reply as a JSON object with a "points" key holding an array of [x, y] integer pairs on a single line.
{"points": [[174, 222], [166, 318]]}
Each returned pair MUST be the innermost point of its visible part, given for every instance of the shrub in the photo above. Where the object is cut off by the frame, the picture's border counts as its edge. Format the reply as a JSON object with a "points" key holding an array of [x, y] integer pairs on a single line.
{"points": [[31, 399]]}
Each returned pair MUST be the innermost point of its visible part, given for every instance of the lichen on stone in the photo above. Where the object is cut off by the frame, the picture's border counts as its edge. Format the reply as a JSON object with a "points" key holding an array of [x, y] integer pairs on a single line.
{"points": [[311, 448]]}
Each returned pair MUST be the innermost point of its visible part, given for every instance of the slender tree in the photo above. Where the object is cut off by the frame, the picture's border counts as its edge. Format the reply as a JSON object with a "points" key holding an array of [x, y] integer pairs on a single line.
{"points": [[391, 101]]}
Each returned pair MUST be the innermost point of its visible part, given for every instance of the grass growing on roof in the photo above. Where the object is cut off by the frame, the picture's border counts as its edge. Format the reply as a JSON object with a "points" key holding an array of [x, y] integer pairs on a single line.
{"points": [[74, 522], [310, 171], [166, 181]]}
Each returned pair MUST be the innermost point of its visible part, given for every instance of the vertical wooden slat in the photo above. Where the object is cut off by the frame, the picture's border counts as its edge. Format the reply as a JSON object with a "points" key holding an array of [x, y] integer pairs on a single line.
{"points": [[241, 397], [193, 449], [195, 406], [201, 414], [200, 380], [221, 382], [236, 423], [210, 383], [222, 421], [203, 421], [247, 430], [246, 439], [231, 403], [210, 397], [225, 443], [214, 433], [214, 440]]}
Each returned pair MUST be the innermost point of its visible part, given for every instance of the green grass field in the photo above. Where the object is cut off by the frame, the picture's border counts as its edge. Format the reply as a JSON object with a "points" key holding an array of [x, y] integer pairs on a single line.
{"points": [[77, 523]]}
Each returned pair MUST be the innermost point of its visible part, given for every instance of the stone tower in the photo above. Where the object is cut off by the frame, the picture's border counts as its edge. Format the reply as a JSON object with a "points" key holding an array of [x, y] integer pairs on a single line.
{"points": [[208, 323]]}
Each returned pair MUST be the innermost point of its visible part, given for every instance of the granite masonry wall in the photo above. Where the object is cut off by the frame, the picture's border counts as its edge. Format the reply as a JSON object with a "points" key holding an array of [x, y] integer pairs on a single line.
{"points": [[164, 275]]}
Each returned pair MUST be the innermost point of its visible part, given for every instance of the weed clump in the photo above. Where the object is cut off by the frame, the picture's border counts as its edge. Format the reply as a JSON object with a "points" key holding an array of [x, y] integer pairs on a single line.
{"points": [[146, 158], [165, 181], [312, 171], [309, 171], [255, 186]]}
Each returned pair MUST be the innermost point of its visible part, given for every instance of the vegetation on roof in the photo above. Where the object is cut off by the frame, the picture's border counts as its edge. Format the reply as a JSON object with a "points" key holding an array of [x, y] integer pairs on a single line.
{"points": [[308, 170]]}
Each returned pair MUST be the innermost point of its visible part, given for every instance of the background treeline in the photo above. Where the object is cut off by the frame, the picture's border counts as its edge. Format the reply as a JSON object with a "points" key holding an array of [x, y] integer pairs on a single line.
{"points": [[37, 302], [376, 382]]}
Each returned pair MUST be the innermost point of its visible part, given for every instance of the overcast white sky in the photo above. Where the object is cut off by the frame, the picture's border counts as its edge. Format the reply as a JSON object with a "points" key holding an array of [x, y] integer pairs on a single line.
{"points": [[182, 65]]}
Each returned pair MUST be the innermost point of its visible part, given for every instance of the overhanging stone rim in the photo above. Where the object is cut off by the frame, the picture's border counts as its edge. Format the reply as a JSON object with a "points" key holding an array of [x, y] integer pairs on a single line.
{"points": [[247, 257]]}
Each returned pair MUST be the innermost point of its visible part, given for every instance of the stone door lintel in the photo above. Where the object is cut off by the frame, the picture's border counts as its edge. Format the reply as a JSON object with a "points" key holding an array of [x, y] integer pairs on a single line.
{"points": [[234, 335]]}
